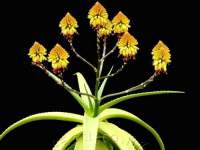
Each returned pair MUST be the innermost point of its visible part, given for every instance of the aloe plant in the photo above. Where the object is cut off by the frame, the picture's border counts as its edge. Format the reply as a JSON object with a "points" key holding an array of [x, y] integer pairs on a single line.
{"points": [[93, 130]]}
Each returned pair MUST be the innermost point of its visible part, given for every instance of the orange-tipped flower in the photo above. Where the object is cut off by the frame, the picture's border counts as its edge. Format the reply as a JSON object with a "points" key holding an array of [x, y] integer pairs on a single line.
{"points": [[161, 57], [98, 15], [58, 58], [127, 46], [68, 26], [120, 23], [105, 30], [37, 53]]}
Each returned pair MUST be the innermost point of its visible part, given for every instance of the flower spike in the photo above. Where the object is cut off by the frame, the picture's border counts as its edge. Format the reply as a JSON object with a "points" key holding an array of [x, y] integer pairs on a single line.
{"points": [[68, 26], [98, 16], [120, 23], [161, 57], [58, 57], [105, 30], [127, 46], [37, 53]]}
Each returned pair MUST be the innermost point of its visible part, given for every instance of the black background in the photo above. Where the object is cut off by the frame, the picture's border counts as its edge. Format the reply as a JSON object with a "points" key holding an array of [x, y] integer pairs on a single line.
{"points": [[27, 90]]}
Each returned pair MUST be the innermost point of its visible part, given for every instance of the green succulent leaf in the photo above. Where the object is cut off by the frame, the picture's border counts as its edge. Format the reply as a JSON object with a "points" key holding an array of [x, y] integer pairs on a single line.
{"points": [[100, 145], [132, 96], [62, 116], [84, 88], [118, 113], [68, 138], [109, 145], [108, 142], [133, 140], [121, 139], [101, 89], [90, 130], [71, 147]]}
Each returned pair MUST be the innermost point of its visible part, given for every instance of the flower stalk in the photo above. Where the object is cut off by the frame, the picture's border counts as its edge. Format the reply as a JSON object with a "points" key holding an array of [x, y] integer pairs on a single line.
{"points": [[81, 58], [97, 82], [60, 82], [103, 54], [132, 89], [109, 53], [113, 74]]}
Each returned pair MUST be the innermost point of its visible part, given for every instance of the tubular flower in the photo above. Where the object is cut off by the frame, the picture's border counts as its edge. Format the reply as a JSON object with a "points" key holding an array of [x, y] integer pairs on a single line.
{"points": [[58, 58], [127, 46], [120, 23], [98, 16], [68, 26], [161, 57], [37, 53], [105, 30]]}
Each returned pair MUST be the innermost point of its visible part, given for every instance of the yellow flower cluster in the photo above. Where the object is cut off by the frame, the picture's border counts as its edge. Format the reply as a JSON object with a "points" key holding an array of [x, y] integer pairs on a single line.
{"points": [[98, 16], [37, 53], [127, 46], [105, 30], [120, 23], [161, 57], [100, 22], [68, 26], [58, 58]]}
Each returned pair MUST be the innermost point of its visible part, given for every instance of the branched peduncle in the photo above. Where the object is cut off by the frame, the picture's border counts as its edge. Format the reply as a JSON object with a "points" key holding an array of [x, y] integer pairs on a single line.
{"points": [[81, 58], [110, 52], [98, 73], [60, 81], [98, 48], [115, 73], [132, 89], [103, 54]]}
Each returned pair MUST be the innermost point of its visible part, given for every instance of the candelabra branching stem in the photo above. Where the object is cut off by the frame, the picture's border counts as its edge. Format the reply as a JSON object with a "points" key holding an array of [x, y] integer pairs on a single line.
{"points": [[81, 58], [110, 52], [100, 63], [132, 89], [60, 81], [98, 48], [113, 74], [103, 54]]}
